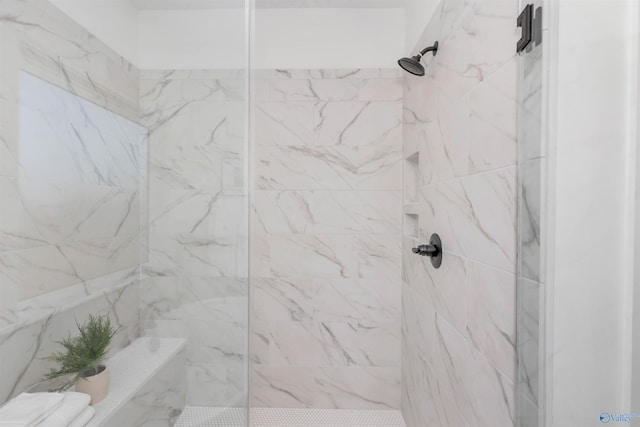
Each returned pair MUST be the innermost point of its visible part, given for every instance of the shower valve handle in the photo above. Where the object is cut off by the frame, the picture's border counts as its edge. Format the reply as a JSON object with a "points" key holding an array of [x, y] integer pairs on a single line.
{"points": [[433, 250], [426, 250]]}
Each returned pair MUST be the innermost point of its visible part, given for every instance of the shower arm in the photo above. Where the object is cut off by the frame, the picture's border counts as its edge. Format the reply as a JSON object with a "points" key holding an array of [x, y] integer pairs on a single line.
{"points": [[433, 49], [428, 49]]}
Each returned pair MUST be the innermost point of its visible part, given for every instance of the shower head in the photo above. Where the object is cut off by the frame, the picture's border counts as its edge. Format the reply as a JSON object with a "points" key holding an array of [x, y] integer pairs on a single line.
{"points": [[413, 65]]}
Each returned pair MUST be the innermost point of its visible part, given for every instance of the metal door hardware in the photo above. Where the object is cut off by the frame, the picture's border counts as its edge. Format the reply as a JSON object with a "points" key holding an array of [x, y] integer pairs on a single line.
{"points": [[531, 24]]}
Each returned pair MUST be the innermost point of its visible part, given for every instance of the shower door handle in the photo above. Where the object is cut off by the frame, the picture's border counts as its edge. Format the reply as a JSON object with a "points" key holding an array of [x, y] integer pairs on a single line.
{"points": [[525, 20]]}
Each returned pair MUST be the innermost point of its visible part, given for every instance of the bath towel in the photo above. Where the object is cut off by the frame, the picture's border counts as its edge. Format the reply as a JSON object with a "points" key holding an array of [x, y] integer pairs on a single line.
{"points": [[72, 406], [83, 418], [29, 409]]}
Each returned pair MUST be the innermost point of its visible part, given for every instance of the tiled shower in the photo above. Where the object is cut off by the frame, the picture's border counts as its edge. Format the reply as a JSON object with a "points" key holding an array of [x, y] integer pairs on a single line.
{"points": [[194, 283], [325, 257], [460, 152], [240, 187]]}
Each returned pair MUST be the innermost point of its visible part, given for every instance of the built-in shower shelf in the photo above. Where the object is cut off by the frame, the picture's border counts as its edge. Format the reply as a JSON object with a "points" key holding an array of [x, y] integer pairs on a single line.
{"points": [[412, 208], [144, 383], [411, 218], [411, 177], [411, 226]]}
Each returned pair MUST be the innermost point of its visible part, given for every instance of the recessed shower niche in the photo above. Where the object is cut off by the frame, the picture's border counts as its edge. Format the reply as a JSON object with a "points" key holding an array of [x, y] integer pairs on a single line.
{"points": [[411, 225], [411, 177]]}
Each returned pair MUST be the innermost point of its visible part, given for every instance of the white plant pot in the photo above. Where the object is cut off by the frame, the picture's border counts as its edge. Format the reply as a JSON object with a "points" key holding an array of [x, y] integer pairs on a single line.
{"points": [[95, 386]]}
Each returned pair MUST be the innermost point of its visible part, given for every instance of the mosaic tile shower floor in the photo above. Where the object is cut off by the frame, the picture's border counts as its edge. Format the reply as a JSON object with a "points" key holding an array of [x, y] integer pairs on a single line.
{"points": [[196, 416]]}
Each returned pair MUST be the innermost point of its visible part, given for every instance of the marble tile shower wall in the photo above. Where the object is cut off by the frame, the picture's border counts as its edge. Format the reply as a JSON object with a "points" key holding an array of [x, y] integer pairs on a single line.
{"points": [[71, 170], [460, 163], [326, 227], [195, 283]]}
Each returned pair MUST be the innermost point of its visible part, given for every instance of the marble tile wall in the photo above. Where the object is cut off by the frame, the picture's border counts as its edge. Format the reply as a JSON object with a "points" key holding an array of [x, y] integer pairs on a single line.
{"points": [[460, 165], [25, 345], [326, 227], [194, 284], [40, 39], [72, 163], [72, 212]]}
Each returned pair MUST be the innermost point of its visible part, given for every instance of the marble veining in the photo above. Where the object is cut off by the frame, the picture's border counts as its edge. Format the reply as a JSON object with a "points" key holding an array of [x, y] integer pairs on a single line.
{"points": [[73, 210], [81, 63], [24, 346], [326, 226], [194, 283], [72, 188], [458, 324]]}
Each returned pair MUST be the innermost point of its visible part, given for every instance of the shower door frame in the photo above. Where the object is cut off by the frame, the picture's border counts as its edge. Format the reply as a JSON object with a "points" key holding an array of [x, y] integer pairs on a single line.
{"points": [[629, 246]]}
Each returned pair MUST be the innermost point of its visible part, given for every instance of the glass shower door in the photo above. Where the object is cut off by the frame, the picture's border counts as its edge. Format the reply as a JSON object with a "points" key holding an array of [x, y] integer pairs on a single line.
{"points": [[193, 98], [124, 191]]}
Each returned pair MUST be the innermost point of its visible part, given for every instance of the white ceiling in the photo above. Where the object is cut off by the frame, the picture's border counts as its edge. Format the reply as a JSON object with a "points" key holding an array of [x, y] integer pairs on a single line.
{"points": [[265, 4]]}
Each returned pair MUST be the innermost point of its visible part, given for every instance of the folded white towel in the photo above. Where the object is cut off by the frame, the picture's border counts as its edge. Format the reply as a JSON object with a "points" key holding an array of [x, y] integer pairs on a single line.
{"points": [[83, 418], [28, 409], [72, 406]]}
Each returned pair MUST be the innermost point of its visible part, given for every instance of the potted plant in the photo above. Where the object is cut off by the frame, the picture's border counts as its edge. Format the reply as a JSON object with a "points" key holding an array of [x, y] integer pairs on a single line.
{"points": [[82, 360]]}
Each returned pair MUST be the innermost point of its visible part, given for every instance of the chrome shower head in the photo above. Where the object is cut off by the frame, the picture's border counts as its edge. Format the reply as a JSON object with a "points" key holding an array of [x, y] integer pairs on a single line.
{"points": [[412, 65]]}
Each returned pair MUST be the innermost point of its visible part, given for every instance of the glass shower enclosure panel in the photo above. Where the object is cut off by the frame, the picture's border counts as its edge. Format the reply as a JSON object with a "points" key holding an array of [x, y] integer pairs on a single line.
{"points": [[124, 192], [195, 284]]}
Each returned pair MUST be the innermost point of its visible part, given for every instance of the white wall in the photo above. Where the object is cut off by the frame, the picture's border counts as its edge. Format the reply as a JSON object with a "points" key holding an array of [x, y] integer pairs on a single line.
{"points": [[192, 39], [594, 152], [284, 38], [417, 16], [329, 38], [115, 22], [215, 38]]}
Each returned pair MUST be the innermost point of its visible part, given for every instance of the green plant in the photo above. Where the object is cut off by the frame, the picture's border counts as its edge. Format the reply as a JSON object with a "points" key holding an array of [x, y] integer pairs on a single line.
{"points": [[84, 353]]}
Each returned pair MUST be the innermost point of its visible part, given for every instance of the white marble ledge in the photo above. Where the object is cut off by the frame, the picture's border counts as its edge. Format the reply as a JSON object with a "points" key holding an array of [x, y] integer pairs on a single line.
{"points": [[412, 208], [43, 306], [130, 369]]}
